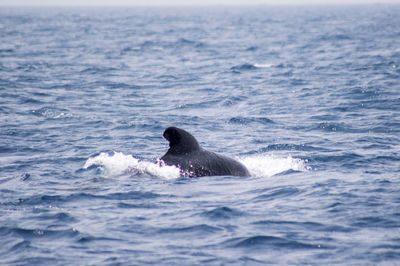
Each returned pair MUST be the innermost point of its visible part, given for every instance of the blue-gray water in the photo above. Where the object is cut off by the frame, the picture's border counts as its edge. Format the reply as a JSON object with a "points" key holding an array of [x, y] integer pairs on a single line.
{"points": [[307, 97]]}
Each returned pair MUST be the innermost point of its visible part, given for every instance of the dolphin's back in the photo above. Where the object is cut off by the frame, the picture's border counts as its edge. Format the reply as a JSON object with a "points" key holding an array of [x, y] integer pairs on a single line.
{"points": [[194, 161]]}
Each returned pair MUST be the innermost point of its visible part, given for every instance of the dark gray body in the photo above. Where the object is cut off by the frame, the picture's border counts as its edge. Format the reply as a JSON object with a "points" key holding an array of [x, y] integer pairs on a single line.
{"points": [[193, 161]]}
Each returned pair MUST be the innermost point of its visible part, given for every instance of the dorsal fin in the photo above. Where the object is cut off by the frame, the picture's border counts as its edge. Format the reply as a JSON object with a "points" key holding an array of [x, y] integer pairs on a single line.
{"points": [[180, 141]]}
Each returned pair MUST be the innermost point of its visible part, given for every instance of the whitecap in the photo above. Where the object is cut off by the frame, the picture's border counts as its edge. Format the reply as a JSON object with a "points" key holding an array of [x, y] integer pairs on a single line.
{"points": [[52, 113], [263, 65]]}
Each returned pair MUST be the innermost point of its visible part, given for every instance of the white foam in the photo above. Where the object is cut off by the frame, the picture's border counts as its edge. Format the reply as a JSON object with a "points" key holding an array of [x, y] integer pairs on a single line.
{"points": [[119, 164], [264, 165], [263, 65]]}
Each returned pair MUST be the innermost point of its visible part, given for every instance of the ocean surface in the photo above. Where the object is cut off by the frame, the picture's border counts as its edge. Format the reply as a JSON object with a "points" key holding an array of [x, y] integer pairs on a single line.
{"points": [[308, 98]]}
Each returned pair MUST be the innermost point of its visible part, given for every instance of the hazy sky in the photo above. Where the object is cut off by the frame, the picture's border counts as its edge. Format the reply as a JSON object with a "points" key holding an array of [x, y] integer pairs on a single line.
{"points": [[185, 2]]}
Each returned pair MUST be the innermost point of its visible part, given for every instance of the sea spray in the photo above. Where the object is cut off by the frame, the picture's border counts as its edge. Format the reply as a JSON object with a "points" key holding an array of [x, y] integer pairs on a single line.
{"points": [[118, 164]]}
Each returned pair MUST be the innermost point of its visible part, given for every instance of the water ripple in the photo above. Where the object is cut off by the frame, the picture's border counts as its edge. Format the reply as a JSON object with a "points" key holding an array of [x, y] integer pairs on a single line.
{"points": [[222, 213], [262, 241]]}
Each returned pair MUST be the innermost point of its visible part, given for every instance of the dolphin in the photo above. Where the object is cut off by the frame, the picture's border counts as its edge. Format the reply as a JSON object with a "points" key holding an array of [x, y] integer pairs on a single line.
{"points": [[194, 161]]}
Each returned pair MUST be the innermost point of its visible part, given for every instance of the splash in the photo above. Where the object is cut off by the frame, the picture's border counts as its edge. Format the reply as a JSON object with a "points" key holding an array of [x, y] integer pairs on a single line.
{"points": [[270, 165], [119, 164]]}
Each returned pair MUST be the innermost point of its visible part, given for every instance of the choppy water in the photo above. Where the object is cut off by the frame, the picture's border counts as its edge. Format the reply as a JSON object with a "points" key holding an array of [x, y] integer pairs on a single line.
{"points": [[307, 97]]}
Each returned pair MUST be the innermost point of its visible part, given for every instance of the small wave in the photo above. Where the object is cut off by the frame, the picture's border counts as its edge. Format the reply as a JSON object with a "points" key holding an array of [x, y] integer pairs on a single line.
{"points": [[270, 165], [59, 217], [55, 200], [119, 164], [6, 50], [252, 48], [89, 238], [183, 41], [38, 233], [263, 65], [333, 127], [280, 192], [222, 213], [242, 67], [248, 66], [375, 222], [146, 205], [335, 37], [201, 229], [248, 120], [52, 113], [314, 226], [149, 45], [97, 70], [261, 241]]}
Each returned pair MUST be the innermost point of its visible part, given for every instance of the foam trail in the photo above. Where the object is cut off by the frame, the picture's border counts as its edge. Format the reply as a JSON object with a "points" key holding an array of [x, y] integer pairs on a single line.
{"points": [[119, 164], [269, 165]]}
